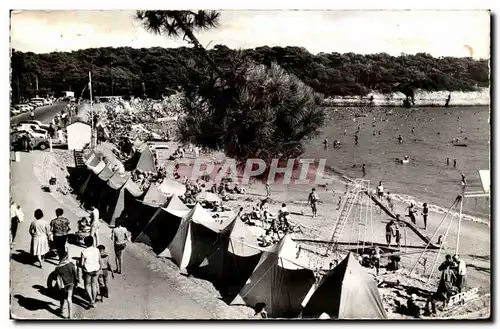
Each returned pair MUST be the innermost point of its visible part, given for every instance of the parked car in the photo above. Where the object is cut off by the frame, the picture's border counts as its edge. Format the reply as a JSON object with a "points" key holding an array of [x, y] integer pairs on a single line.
{"points": [[38, 101], [37, 141], [23, 108], [14, 111], [36, 122], [34, 130]]}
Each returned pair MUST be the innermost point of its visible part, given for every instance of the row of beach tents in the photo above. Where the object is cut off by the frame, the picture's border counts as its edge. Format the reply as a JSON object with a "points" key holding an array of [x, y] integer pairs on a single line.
{"points": [[224, 251]]}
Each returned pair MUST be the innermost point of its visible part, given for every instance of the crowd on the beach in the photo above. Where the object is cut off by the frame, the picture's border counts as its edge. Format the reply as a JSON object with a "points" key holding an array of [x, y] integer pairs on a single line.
{"points": [[50, 239]]}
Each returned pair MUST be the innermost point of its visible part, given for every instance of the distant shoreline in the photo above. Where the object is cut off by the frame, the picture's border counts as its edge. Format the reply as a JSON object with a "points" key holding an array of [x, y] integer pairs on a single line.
{"points": [[481, 97]]}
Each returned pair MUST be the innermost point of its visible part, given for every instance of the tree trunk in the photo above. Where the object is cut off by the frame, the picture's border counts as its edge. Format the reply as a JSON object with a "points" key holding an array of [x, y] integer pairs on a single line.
{"points": [[197, 44]]}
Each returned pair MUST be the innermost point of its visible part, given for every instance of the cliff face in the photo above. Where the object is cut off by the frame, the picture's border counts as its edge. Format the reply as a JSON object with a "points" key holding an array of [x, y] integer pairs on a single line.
{"points": [[422, 98]]}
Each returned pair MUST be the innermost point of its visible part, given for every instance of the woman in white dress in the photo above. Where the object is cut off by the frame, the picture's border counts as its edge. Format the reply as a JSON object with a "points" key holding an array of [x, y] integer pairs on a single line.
{"points": [[40, 235]]}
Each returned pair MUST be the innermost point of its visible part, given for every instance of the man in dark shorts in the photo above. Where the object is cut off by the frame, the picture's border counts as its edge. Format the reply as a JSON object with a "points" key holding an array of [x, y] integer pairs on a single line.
{"points": [[389, 232], [90, 265], [67, 281], [59, 227], [120, 237], [313, 201], [103, 277]]}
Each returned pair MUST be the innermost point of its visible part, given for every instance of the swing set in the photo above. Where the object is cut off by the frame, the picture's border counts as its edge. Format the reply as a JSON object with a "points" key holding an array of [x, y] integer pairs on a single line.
{"points": [[458, 203]]}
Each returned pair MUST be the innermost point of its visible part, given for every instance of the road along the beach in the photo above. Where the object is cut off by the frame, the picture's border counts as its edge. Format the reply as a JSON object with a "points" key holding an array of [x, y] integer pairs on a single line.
{"points": [[145, 290], [44, 113]]}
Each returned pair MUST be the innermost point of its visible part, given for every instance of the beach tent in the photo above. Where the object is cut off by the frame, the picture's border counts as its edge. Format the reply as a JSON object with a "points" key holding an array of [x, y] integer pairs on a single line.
{"points": [[111, 195], [346, 292], [118, 180], [104, 191], [196, 238], [485, 180], [208, 196], [146, 162], [95, 164], [154, 197], [170, 187], [278, 282], [106, 174], [91, 190], [163, 226], [137, 213], [128, 188], [234, 261]]}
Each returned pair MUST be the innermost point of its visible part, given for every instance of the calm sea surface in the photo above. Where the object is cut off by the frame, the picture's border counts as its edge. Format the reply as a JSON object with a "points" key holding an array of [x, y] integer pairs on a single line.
{"points": [[426, 177]]}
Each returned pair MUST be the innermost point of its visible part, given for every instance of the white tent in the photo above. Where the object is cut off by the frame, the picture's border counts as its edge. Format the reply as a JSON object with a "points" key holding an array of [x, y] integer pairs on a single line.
{"points": [[485, 180]]}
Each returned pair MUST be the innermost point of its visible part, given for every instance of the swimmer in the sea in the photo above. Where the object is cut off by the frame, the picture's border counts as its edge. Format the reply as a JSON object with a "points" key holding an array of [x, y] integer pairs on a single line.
{"points": [[447, 161], [413, 130], [454, 163]]}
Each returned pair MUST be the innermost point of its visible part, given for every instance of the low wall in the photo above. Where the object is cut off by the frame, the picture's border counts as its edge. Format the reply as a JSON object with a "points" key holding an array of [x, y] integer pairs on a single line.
{"points": [[422, 98]]}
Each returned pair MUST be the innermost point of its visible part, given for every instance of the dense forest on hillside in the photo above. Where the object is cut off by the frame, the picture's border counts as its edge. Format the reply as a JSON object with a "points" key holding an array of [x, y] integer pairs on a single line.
{"points": [[161, 71]]}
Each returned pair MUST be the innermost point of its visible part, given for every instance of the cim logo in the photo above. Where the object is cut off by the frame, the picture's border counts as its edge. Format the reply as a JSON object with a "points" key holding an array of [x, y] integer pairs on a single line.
{"points": [[464, 296]]}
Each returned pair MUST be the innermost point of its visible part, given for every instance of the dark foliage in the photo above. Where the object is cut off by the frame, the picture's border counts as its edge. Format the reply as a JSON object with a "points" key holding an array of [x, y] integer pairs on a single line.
{"points": [[122, 71]]}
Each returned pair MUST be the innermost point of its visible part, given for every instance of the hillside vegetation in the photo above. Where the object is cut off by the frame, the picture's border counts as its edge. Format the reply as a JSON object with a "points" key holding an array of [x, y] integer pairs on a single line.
{"points": [[159, 71]]}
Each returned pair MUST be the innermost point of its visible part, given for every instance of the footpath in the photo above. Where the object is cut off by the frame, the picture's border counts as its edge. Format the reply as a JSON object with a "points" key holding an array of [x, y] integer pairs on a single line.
{"points": [[148, 288]]}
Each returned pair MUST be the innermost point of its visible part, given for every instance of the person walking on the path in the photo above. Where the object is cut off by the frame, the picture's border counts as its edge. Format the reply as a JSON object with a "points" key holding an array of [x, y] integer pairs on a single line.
{"points": [[16, 217], [103, 277], [363, 168], [68, 280], [425, 214], [313, 201], [90, 265], [94, 225], [59, 227], [461, 272], [447, 161], [389, 232], [120, 237], [40, 235], [454, 163]]}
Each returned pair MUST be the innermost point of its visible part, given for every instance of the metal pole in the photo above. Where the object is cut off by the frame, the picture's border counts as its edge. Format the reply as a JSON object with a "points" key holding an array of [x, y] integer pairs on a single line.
{"points": [[435, 233], [440, 248], [91, 113], [406, 242], [459, 222]]}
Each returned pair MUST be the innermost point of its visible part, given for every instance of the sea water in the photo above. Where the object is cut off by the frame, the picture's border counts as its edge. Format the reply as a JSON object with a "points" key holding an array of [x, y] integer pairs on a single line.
{"points": [[427, 177]]}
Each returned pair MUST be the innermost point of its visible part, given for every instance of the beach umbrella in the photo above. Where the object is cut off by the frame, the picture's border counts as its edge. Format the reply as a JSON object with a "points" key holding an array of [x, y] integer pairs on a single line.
{"points": [[208, 196]]}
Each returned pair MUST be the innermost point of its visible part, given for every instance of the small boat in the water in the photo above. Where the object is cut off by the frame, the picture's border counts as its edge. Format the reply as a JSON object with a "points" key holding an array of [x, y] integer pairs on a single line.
{"points": [[405, 160], [361, 115], [460, 144]]}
